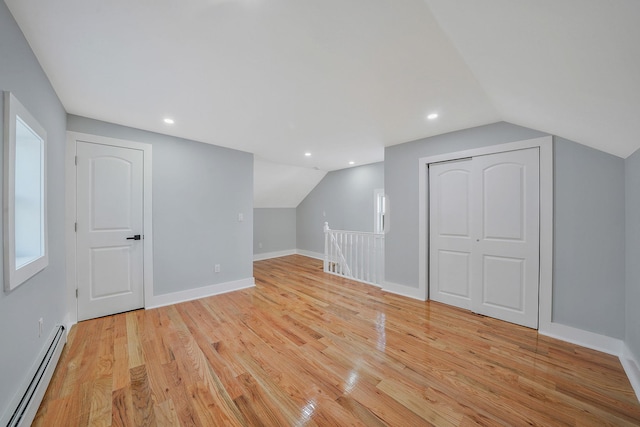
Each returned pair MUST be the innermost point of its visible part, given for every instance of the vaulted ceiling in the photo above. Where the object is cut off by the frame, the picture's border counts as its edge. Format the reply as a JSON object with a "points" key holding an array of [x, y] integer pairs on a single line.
{"points": [[342, 79]]}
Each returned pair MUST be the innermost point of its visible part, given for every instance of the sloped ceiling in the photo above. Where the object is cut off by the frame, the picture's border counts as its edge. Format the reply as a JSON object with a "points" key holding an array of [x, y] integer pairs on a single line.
{"points": [[570, 67], [342, 79], [270, 179]]}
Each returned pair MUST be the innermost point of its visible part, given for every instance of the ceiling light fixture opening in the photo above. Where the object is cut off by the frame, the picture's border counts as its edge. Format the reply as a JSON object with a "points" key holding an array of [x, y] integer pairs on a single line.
{"points": [[352, 162], [307, 154], [169, 120], [432, 116]]}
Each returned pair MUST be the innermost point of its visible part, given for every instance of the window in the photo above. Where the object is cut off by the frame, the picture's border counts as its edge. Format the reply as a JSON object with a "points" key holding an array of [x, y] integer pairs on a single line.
{"points": [[25, 210], [379, 211]]}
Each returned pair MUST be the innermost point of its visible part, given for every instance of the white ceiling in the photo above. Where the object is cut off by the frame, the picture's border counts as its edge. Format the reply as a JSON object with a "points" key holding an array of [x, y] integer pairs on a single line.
{"points": [[343, 79], [282, 186], [567, 67]]}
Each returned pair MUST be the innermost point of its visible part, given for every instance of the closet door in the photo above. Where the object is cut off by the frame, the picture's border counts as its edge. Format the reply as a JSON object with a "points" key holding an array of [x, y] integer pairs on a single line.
{"points": [[484, 235], [450, 236], [506, 255]]}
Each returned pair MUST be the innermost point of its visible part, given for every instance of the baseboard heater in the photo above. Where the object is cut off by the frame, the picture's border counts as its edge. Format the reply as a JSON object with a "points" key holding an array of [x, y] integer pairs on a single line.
{"points": [[28, 406]]}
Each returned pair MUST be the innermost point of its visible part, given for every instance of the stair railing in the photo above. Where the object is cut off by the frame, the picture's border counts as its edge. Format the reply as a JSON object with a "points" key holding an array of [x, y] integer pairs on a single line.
{"points": [[356, 255]]}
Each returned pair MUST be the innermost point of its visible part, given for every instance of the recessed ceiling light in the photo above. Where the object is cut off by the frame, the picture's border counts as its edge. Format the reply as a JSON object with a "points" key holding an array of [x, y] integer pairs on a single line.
{"points": [[352, 162], [432, 116], [307, 154], [169, 120]]}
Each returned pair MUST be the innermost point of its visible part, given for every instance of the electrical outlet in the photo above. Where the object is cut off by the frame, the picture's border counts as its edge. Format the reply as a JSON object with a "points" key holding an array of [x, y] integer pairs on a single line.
{"points": [[40, 327], [217, 268], [240, 217], [260, 245]]}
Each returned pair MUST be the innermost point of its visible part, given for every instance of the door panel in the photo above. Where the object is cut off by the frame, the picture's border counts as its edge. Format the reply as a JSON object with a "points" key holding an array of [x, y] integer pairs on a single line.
{"points": [[453, 273], [450, 232], [507, 250], [454, 200], [110, 272], [504, 283], [503, 202], [109, 210]]}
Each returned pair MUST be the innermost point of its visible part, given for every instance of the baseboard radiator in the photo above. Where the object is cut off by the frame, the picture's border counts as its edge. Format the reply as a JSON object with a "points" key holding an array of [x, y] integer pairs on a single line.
{"points": [[28, 406]]}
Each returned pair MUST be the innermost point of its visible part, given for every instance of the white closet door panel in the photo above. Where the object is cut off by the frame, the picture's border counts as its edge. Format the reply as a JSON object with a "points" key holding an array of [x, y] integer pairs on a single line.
{"points": [[506, 253], [453, 273], [504, 284], [503, 204], [450, 235], [453, 203]]}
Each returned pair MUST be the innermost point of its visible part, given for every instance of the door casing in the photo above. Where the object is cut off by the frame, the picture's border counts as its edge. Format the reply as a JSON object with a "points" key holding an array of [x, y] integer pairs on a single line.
{"points": [[70, 215]]}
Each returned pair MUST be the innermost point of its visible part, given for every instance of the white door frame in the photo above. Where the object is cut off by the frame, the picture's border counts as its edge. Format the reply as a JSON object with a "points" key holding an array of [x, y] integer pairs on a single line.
{"points": [[70, 216], [546, 216]]}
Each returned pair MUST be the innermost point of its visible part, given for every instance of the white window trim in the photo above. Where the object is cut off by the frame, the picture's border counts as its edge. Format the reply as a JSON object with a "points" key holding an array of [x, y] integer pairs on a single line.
{"points": [[377, 226], [14, 277]]}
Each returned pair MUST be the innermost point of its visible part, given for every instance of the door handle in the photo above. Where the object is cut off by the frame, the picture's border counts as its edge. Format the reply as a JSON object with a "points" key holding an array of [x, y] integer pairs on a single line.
{"points": [[136, 237]]}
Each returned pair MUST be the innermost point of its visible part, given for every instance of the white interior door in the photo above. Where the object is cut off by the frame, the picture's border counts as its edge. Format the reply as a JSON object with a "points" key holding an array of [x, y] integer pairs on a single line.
{"points": [[450, 232], [109, 217], [499, 275], [507, 248]]}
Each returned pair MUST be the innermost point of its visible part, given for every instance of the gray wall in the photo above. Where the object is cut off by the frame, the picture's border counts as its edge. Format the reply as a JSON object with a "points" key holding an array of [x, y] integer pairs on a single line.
{"points": [[632, 187], [588, 265], [589, 240], [274, 230], [344, 198], [44, 294], [198, 191]]}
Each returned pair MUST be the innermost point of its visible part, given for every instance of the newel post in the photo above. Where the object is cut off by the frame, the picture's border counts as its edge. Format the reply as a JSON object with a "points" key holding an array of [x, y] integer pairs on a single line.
{"points": [[326, 247]]}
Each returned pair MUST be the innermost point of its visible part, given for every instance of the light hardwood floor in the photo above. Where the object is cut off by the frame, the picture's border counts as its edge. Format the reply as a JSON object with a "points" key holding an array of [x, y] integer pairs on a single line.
{"points": [[305, 348]]}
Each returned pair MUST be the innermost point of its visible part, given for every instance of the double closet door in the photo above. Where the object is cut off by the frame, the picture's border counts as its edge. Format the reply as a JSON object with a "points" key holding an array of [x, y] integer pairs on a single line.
{"points": [[484, 241]]}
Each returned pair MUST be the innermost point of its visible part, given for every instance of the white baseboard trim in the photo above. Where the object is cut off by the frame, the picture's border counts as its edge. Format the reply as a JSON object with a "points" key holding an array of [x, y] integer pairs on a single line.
{"points": [[202, 292], [587, 339], [276, 254], [631, 366], [402, 290], [69, 320], [310, 254]]}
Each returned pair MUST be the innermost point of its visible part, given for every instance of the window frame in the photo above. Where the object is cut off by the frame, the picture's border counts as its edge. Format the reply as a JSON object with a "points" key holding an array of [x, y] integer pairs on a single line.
{"points": [[14, 277], [379, 211]]}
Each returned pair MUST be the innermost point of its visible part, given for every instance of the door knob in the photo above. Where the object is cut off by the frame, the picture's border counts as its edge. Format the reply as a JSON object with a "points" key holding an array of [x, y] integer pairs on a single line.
{"points": [[136, 237]]}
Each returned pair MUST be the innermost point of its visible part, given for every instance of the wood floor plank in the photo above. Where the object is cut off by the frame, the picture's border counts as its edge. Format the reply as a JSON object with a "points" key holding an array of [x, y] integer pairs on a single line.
{"points": [[122, 407], [134, 346], [307, 348], [178, 394], [121, 378], [165, 414], [143, 411]]}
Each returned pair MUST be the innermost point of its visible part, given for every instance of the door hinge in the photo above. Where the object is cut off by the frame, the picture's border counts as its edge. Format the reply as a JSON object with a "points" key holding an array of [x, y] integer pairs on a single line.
{"points": [[76, 293], [76, 160], [75, 227]]}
